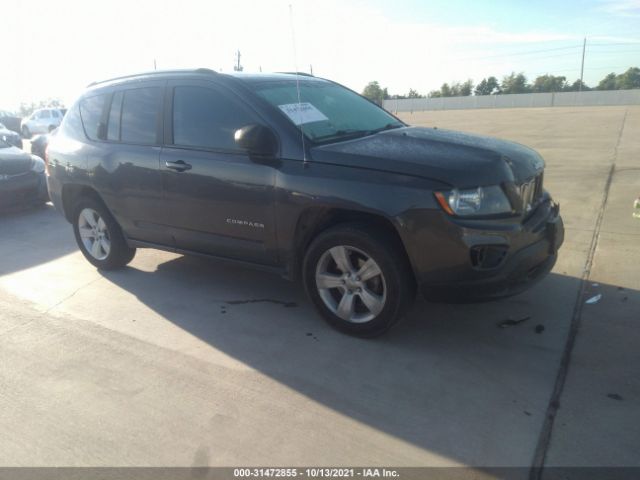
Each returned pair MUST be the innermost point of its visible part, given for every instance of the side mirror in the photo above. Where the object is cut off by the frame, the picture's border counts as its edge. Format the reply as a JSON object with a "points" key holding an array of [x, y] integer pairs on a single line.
{"points": [[257, 140]]}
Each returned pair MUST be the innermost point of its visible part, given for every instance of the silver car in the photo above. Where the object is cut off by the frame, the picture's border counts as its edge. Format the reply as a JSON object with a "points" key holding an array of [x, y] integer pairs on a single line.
{"points": [[43, 120]]}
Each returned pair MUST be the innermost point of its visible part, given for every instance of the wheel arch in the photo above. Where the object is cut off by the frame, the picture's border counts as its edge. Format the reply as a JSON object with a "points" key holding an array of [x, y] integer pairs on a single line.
{"points": [[72, 192], [314, 220]]}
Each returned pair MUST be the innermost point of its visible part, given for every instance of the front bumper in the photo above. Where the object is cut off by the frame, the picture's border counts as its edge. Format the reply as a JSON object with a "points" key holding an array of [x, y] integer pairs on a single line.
{"points": [[530, 254]]}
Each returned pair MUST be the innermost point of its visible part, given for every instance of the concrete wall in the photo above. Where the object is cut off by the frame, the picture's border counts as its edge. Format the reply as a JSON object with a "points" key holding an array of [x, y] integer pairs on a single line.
{"points": [[560, 99]]}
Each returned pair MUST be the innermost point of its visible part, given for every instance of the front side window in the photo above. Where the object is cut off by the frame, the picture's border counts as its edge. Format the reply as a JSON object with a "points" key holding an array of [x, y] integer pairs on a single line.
{"points": [[45, 114], [140, 113], [325, 111], [91, 113], [207, 118]]}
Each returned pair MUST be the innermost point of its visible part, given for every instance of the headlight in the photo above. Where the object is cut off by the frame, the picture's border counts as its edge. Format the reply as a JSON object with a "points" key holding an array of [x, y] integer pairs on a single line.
{"points": [[37, 164], [474, 202]]}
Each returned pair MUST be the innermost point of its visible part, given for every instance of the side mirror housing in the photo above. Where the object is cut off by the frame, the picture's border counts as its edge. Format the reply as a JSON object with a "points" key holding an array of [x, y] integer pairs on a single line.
{"points": [[257, 140]]}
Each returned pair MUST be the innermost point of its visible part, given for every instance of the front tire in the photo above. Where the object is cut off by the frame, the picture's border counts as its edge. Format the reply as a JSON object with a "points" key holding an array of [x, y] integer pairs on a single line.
{"points": [[359, 279], [99, 236], [26, 133]]}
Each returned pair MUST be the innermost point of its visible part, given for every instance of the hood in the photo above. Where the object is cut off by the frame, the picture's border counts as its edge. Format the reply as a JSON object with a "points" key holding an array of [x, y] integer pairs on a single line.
{"points": [[8, 133], [14, 161], [456, 158]]}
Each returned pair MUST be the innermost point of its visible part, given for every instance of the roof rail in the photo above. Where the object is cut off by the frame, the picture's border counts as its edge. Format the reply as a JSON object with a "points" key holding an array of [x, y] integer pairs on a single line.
{"points": [[154, 72], [302, 74]]}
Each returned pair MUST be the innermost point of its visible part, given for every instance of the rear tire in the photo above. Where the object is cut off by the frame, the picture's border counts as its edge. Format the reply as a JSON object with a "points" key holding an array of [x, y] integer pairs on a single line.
{"points": [[359, 279], [25, 132], [99, 236]]}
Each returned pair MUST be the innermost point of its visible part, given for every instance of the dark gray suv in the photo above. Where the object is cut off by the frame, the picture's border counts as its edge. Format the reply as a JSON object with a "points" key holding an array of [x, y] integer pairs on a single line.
{"points": [[304, 177]]}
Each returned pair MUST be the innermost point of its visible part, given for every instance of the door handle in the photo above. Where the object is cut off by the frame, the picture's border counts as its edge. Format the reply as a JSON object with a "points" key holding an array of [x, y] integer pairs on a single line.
{"points": [[178, 165]]}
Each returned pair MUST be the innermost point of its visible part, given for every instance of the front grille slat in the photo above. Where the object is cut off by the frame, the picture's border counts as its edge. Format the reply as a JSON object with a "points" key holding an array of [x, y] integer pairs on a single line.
{"points": [[531, 193]]}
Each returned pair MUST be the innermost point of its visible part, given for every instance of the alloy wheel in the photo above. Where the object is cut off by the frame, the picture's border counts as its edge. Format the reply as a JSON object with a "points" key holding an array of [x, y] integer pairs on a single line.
{"points": [[351, 284], [94, 234]]}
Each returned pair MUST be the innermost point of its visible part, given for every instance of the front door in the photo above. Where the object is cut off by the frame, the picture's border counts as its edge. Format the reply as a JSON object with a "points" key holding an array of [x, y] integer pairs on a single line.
{"points": [[218, 201]]}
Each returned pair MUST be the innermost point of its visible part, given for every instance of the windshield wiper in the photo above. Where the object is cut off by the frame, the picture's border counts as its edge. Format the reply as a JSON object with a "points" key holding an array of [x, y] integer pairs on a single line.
{"points": [[388, 126], [349, 134]]}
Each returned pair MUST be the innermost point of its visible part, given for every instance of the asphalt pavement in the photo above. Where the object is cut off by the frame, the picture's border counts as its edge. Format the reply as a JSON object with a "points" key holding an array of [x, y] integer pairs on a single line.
{"points": [[179, 361]]}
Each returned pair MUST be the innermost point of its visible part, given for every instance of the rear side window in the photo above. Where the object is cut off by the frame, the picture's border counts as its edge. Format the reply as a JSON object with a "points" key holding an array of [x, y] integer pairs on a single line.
{"points": [[207, 118], [140, 113], [45, 114], [91, 112]]}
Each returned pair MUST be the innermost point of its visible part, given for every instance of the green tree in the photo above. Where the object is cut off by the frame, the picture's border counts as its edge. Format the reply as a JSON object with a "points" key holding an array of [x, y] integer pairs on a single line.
{"points": [[27, 109], [515, 83], [466, 88], [435, 94], [374, 92], [413, 94], [445, 90], [549, 83], [575, 87], [456, 87], [608, 82], [488, 86], [629, 79]]}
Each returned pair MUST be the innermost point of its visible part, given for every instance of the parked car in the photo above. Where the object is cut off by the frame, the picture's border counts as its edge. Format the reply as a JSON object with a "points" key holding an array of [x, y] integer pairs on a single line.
{"points": [[43, 120], [304, 177], [22, 178], [10, 121], [10, 136], [39, 145]]}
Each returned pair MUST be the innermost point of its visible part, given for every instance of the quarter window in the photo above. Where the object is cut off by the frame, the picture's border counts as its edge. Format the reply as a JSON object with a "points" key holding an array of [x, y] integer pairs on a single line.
{"points": [[71, 124], [207, 118], [91, 113], [140, 113]]}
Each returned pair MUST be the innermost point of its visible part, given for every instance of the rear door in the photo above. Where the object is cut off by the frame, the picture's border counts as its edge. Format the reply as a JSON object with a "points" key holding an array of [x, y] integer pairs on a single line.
{"points": [[126, 166], [218, 201]]}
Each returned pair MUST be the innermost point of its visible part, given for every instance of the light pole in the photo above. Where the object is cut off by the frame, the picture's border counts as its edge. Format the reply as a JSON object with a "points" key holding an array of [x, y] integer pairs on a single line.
{"points": [[584, 47]]}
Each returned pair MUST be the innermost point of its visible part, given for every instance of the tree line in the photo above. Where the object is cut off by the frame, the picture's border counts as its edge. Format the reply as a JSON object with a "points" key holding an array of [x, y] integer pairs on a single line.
{"points": [[26, 109], [512, 83]]}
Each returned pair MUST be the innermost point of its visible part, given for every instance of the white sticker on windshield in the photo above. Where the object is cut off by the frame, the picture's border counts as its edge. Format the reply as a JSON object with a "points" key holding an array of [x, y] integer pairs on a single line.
{"points": [[301, 113]]}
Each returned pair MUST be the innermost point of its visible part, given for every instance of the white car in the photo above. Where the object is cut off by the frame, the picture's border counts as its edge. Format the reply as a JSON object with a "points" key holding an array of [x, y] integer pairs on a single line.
{"points": [[43, 120]]}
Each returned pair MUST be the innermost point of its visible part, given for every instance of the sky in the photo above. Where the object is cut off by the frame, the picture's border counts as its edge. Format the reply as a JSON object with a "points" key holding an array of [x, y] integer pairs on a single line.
{"points": [[53, 49]]}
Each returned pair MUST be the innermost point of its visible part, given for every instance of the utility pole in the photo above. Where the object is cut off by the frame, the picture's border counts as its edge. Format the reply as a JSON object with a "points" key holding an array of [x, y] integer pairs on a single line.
{"points": [[154, 64], [237, 67], [584, 47], [311, 69]]}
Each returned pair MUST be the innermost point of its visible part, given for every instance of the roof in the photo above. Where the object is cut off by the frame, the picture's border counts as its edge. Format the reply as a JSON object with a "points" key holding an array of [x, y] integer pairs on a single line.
{"points": [[250, 77]]}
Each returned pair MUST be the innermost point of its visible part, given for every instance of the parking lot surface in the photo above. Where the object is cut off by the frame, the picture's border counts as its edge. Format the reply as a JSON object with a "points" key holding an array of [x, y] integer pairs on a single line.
{"points": [[179, 361]]}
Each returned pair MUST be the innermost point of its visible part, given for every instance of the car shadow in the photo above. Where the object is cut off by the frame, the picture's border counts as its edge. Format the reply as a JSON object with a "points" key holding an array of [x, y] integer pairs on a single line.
{"points": [[24, 228], [447, 379]]}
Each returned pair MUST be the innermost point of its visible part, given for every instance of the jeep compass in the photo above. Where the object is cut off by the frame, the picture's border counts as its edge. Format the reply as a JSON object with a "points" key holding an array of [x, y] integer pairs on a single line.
{"points": [[304, 177]]}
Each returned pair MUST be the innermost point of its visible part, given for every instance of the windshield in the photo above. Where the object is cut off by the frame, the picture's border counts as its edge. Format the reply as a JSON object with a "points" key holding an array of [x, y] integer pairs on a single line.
{"points": [[327, 112]]}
